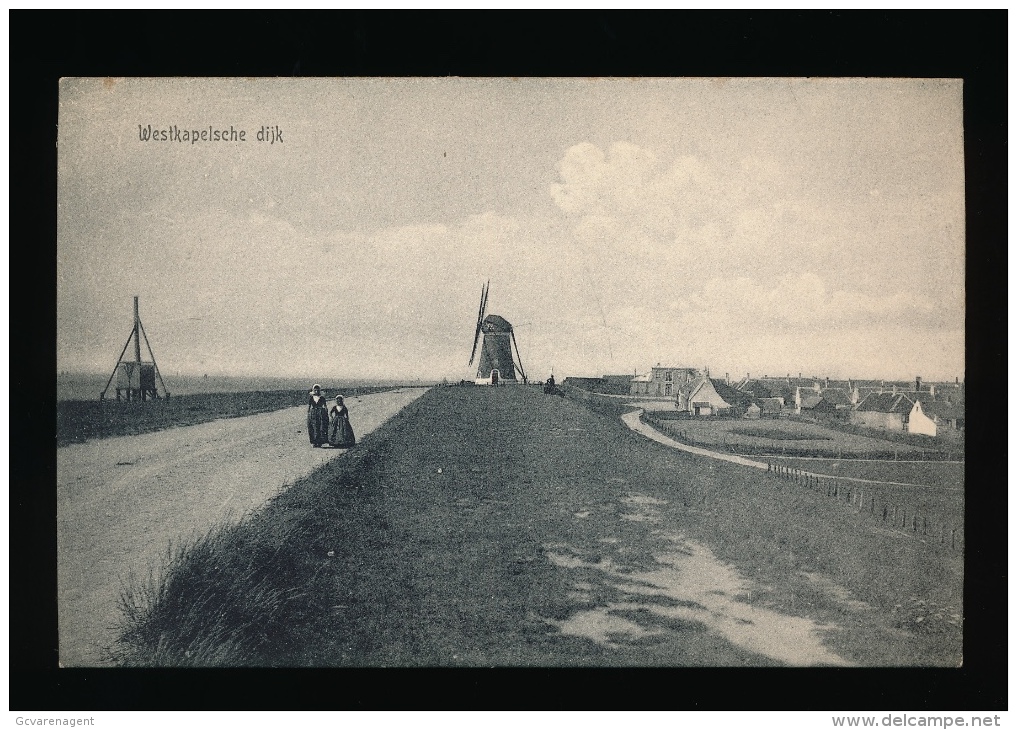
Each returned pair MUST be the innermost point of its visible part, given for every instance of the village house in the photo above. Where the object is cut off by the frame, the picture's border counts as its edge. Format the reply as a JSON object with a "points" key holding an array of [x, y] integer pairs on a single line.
{"points": [[947, 416], [700, 398], [759, 389], [886, 411], [662, 380], [773, 387], [809, 401], [704, 396], [893, 412], [839, 398]]}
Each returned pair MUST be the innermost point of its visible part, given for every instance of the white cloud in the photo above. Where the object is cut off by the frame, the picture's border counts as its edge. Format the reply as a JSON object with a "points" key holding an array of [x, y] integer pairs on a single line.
{"points": [[804, 302]]}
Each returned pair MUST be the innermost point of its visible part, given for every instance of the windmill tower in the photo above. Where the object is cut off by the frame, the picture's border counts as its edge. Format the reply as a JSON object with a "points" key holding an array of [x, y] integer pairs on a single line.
{"points": [[136, 378], [496, 362]]}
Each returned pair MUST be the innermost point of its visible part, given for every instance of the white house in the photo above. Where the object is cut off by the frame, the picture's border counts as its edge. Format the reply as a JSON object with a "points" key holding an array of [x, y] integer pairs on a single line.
{"points": [[700, 398], [919, 422]]}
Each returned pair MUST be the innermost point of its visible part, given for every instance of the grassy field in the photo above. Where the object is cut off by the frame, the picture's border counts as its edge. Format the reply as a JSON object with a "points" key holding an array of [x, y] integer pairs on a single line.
{"points": [[474, 528], [793, 438], [81, 420]]}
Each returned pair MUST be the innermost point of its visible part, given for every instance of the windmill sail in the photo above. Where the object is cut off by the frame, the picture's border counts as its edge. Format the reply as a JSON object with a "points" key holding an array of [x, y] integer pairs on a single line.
{"points": [[480, 319], [519, 357]]}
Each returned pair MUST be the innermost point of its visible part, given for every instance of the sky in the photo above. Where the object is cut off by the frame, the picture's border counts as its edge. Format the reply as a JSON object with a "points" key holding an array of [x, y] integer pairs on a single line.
{"points": [[762, 226]]}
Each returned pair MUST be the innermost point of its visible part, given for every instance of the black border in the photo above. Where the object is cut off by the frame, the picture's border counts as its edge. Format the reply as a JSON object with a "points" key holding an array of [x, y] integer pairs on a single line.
{"points": [[47, 45]]}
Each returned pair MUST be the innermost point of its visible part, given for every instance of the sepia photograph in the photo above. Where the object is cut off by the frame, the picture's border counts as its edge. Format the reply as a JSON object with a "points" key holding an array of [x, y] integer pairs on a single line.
{"points": [[493, 372]]}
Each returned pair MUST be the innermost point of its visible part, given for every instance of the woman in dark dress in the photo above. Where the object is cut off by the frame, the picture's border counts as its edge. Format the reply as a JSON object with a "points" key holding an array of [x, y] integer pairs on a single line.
{"points": [[340, 432], [317, 417]]}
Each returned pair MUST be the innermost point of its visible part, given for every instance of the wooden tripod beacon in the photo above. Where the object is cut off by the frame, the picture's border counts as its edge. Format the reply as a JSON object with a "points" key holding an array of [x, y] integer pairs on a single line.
{"points": [[135, 378]]}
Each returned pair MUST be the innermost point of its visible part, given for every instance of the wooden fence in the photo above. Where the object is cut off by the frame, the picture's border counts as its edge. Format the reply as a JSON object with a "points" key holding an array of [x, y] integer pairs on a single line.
{"points": [[873, 500], [879, 502]]}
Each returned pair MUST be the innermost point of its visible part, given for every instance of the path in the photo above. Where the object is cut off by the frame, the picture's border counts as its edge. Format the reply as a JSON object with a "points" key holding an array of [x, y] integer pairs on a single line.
{"points": [[122, 501], [632, 420]]}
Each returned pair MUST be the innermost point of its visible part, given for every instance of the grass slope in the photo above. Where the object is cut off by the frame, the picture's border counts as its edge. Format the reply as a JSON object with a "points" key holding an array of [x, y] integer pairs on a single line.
{"points": [[428, 546]]}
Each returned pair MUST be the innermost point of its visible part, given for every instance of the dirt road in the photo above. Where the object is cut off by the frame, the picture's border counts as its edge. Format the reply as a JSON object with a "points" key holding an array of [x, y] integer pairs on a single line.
{"points": [[122, 501]]}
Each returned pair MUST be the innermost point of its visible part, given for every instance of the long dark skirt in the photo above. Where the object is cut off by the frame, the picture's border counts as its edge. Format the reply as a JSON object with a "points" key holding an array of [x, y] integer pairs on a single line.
{"points": [[340, 432], [317, 425]]}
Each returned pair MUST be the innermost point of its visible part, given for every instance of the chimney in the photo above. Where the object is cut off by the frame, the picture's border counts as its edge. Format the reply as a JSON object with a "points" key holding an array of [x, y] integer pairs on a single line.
{"points": [[799, 376], [956, 381], [895, 390], [918, 383], [746, 376], [828, 382], [727, 378]]}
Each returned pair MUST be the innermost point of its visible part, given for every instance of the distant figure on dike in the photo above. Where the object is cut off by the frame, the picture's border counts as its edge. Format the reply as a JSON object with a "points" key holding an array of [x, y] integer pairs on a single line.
{"points": [[340, 432], [317, 417], [549, 385]]}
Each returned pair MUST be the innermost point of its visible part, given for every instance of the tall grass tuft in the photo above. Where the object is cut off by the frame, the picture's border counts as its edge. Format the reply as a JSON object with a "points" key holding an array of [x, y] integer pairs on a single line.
{"points": [[241, 593], [219, 600]]}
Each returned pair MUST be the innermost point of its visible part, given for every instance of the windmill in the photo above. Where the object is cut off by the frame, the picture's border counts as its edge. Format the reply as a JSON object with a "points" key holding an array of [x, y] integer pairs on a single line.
{"points": [[496, 362]]}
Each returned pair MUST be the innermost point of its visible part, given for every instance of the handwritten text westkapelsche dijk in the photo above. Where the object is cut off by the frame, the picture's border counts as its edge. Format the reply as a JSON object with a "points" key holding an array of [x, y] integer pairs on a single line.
{"points": [[173, 133]]}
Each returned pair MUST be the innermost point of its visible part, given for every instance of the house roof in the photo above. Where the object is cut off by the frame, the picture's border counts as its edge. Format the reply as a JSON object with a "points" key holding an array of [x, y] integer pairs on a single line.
{"points": [[886, 403], [791, 382], [843, 384], [811, 400], [836, 396], [901, 385], [618, 378], [770, 404], [646, 378], [755, 387], [764, 389], [731, 395], [943, 410], [875, 384], [690, 389], [864, 392], [581, 382]]}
